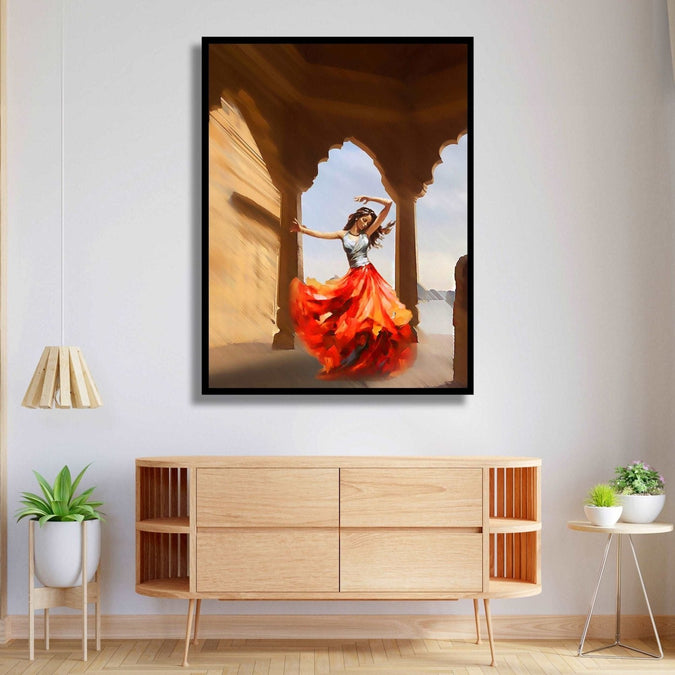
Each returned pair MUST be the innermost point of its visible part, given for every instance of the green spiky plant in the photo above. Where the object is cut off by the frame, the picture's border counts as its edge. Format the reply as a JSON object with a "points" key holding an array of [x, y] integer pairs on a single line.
{"points": [[59, 502], [602, 494]]}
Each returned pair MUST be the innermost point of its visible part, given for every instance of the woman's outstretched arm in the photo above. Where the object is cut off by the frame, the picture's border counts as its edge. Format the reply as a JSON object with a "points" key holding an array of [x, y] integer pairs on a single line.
{"points": [[298, 227], [381, 216]]}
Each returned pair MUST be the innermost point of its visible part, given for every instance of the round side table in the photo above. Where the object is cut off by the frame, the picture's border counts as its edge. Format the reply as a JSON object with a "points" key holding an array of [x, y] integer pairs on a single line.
{"points": [[620, 530]]}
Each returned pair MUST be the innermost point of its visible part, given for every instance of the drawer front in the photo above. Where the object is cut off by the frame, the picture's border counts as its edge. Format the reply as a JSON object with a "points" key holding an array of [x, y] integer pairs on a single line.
{"points": [[259, 561], [411, 497], [267, 497], [408, 560]]}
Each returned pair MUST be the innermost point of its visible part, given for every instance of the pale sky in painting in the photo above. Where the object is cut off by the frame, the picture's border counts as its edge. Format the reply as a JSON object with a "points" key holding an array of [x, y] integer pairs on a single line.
{"points": [[441, 216]]}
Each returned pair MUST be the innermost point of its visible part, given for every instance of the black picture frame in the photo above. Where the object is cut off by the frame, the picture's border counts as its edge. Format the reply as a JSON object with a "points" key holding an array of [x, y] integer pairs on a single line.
{"points": [[243, 367]]}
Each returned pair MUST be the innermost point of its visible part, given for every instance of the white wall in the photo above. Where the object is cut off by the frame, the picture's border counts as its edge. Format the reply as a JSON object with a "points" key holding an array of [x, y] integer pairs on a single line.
{"points": [[574, 148]]}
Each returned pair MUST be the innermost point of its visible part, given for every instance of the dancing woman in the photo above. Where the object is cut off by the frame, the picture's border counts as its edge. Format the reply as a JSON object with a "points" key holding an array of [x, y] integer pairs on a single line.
{"points": [[355, 326]]}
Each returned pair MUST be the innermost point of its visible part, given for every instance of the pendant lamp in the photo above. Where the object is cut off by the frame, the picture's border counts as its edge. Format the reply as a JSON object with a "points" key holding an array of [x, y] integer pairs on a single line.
{"points": [[62, 378]]}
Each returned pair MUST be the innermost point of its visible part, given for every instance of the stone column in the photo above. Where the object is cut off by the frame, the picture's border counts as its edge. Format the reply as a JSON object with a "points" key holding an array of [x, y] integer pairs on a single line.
{"points": [[460, 321], [406, 255], [290, 266]]}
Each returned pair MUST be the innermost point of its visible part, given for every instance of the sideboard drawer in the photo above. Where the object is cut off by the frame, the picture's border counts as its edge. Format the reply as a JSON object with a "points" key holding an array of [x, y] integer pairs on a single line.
{"points": [[411, 497], [267, 497], [409, 560], [303, 560]]}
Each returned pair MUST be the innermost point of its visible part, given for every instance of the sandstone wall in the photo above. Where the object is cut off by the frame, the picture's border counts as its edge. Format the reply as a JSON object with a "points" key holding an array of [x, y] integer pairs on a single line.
{"points": [[243, 235]]}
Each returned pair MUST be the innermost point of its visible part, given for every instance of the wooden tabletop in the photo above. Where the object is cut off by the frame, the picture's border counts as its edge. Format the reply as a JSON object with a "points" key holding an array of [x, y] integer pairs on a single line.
{"points": [[621, 528], [327, 461]]}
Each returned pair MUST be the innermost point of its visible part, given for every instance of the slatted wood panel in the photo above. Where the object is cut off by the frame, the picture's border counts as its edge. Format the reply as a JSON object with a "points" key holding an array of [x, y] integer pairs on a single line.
{"points": [[515, 495], [315, 657], [163, 493], [164, 556], [162, 507], [518, 513]]}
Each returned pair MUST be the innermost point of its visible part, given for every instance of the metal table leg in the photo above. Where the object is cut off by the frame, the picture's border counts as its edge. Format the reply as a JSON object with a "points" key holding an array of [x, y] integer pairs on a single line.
{"points": [[617, 636]]}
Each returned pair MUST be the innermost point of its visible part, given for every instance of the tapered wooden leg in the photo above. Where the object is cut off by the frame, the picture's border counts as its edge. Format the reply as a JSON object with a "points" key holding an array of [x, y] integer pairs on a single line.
{"points": [[98, 612], [84, 590], [31, 590], [477, 618], [198, 608], [488, 619], [46, 618], [188, 630]]}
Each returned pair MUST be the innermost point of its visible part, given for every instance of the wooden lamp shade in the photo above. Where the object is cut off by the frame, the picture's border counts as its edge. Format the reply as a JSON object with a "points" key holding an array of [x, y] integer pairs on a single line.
{"points": [[62, 379]]}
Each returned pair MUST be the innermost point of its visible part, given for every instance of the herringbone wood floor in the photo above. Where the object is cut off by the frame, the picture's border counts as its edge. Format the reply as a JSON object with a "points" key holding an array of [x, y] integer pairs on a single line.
{"points": [[372, 657]]}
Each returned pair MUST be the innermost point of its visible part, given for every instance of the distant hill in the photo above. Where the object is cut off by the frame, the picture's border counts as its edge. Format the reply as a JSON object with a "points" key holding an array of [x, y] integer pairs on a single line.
{"points": [[426, 295]]}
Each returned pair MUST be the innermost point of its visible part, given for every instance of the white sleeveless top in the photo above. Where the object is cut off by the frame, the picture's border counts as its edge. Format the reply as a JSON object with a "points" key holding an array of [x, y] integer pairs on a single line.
{"points": [[356, 249]]}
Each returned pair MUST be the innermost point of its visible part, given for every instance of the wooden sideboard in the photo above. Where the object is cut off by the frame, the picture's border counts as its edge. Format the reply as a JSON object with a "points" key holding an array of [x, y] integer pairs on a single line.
{"points": [[337, 528]]}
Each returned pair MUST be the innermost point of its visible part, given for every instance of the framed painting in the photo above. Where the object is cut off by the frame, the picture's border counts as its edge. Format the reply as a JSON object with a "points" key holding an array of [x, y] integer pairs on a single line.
{"points": [[337, 215]]}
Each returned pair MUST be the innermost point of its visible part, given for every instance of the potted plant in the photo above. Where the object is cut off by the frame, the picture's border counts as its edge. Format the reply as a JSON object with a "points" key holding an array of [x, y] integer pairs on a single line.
{"points": [[602, 506], [641, 491], [58, 539]]}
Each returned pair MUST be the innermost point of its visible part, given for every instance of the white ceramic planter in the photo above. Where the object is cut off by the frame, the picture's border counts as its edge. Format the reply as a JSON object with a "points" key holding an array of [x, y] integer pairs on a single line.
{"points": [[58, 552], [603, 516], [641, 508]]}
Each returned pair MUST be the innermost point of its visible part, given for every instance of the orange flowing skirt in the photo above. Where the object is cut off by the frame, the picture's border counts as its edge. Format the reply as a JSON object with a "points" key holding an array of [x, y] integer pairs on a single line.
{"points": [[355, 326]]}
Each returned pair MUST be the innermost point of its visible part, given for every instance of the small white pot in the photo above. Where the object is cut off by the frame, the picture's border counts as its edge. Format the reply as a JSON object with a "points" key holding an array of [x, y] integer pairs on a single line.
{"points": [[641, 508], [58, 552], [603, 516]]}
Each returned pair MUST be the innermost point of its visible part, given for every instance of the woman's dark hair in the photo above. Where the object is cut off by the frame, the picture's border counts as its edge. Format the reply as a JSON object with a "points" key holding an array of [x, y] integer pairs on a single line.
{"points": [[379, 232]]}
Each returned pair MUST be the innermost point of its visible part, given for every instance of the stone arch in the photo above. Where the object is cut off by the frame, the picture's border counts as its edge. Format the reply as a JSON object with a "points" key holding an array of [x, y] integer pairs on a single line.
{"points": [[321, 260], [455, 272], [362, 145], [442, 159], [443, 145], [376, 161]]}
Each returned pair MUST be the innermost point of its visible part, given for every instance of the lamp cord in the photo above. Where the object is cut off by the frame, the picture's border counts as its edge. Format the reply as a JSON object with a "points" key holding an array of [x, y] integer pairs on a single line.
{"points": [[63, 165]]}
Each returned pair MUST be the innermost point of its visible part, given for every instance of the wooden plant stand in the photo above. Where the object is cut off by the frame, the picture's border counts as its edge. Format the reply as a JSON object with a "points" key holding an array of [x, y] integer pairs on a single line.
{"points": [[77, 597]]}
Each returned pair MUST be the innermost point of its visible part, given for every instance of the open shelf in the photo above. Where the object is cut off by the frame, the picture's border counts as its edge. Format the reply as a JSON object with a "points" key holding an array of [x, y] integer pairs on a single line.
{"points": [[515, 531], [513, 525], [163, 530], [163, 492], [510, 588], [178, 587], [175, 524], [163, 556]]}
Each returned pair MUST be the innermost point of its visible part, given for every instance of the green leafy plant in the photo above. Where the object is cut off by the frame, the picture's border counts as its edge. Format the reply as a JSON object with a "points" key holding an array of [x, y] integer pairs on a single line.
{"points": [[638, 478], [59, 502], [602, 494]]}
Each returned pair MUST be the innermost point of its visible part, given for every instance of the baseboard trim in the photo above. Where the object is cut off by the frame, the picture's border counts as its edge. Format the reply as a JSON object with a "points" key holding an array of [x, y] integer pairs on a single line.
{"points": [[323, 627]]}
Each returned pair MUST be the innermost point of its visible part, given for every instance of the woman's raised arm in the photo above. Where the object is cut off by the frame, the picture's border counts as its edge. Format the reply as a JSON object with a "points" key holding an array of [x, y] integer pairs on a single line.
{"points": [[381, 216], [298, 227]]}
